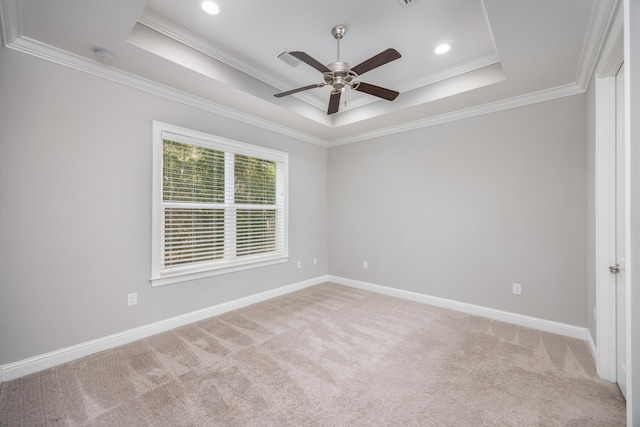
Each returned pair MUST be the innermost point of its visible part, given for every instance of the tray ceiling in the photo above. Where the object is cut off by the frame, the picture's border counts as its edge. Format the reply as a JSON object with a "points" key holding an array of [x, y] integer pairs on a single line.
{"points": [[504, 53]]}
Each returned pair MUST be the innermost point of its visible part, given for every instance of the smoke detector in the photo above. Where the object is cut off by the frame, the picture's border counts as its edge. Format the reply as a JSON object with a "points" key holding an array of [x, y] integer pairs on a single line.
{"points": [[104, 55]]}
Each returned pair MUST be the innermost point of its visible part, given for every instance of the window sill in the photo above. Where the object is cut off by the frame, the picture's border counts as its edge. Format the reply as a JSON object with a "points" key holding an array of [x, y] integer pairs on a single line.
{"points": [[177, 277]]}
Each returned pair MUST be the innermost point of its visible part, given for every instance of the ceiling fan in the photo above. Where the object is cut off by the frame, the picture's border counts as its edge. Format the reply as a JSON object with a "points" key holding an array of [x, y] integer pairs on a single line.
{"points": [[340, 74]]}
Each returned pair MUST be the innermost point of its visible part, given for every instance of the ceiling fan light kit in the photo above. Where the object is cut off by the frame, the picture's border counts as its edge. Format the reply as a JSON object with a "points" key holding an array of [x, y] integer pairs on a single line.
{"points": [[340, 74]]}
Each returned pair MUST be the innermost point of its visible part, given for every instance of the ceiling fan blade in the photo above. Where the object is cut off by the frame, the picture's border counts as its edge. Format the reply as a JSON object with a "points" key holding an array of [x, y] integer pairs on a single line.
{"points": [[300, 89], [334, 102], [310, 61], [376, 61], [378, 91]]}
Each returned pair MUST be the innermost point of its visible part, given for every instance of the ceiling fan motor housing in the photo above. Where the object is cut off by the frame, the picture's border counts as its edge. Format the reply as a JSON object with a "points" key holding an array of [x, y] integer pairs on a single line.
{"points": [[340, 76], [339, 67]]}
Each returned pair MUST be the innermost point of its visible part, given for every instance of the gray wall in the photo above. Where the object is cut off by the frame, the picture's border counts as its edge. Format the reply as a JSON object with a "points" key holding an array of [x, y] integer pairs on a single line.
{"points": [[75, 209], [464, 209], [475, 205]]}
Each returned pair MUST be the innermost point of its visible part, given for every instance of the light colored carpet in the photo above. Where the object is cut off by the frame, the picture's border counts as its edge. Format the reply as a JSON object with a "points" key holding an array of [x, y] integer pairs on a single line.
{"points": [[326, 356]]}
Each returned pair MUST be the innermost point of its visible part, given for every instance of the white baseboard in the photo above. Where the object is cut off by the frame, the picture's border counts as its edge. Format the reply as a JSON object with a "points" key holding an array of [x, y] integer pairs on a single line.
{"points": [[24, 367], [504, 316], [34, 364]]}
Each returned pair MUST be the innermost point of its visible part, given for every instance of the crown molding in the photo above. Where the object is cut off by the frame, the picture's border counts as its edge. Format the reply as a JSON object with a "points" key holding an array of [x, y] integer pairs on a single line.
{"points": [[53, 54], [492, 107], [612, 50], [170, 29], [80, 63], [454, 71], [10, 20], [603, 16]]}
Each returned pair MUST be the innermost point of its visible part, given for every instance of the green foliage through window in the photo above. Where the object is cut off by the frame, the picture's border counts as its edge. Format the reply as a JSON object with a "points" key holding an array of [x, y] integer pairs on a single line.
{"points": [[255, 180], [209, 217], [192, 173]]}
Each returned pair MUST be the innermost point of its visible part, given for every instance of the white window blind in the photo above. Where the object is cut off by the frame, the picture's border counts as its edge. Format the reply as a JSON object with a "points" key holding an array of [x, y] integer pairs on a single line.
{"points": [[221, 205]]}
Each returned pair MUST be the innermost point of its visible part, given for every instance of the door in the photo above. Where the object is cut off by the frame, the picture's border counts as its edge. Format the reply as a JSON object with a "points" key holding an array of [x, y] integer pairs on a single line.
{"points": [[619, 269]]}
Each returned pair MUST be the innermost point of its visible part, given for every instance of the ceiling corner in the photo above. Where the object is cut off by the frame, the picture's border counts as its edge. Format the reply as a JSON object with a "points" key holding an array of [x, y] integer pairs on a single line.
{"points": [[10, 20], [604, 14]]}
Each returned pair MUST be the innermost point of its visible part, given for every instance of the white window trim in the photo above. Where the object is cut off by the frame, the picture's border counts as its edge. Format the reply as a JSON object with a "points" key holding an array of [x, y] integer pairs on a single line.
{"points": [[163, 131]]}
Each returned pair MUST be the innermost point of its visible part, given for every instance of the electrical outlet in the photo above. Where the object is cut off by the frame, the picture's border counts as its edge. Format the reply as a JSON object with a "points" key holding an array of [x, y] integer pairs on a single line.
{"points": [[594, 313], [517, 288], [132, 299], [299, 264], [315, 261], [365, 265]]}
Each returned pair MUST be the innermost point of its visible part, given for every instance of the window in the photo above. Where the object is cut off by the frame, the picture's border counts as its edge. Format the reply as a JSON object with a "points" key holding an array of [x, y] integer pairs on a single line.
{"points": [[218, 205]]}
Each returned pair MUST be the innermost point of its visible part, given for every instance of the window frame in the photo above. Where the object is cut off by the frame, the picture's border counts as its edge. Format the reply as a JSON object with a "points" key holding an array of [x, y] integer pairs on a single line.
{"points": [[160, 276]]}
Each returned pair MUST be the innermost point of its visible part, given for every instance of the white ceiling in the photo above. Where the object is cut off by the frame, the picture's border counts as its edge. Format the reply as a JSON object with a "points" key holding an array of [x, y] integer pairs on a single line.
{"points": [[505, 53]]}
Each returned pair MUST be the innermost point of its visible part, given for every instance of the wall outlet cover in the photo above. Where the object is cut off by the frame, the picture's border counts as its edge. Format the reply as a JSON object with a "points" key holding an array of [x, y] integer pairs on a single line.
{"points": [[517, 288], [132, 299]]}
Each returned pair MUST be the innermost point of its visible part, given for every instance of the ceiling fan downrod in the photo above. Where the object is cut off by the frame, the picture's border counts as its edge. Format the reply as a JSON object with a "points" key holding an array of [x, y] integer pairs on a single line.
{"points": [[338, 33], [341, 74]]}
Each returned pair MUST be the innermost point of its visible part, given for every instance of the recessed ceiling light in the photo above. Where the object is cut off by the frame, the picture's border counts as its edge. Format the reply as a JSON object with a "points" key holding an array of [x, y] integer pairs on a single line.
{"points": [[443, 48], [210, 7]]}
